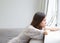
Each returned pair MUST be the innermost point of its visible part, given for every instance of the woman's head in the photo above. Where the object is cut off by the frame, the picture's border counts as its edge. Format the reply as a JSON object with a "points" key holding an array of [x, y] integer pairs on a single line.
{"points": [[39, 20]]}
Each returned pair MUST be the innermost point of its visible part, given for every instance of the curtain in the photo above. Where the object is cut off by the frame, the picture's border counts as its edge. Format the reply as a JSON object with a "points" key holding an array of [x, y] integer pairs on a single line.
{"points": [[51, 17]]}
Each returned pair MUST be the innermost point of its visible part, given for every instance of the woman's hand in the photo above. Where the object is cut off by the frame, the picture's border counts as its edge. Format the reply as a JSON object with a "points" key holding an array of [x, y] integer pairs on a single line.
{"points": [[45, 32], [54, 29]]}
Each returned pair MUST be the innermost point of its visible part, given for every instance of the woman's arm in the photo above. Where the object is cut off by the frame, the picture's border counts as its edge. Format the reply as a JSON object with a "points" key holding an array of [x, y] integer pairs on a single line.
{"points": [[52, 28], [35, 33]]}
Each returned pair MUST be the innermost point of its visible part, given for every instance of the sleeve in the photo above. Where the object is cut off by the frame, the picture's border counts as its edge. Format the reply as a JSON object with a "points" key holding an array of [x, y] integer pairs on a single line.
{"points": [[34, 33]]}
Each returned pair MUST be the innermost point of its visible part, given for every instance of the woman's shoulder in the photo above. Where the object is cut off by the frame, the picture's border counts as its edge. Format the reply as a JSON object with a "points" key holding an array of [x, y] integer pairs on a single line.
{"points": [[31, 28]]}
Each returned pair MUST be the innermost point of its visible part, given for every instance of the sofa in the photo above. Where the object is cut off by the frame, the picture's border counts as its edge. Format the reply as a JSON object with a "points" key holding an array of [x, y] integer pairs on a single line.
{"points": [[8, 34]]}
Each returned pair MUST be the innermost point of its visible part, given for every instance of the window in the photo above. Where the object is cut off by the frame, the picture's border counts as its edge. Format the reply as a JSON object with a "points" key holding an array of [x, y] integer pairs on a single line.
{"points": [[52, 13]]}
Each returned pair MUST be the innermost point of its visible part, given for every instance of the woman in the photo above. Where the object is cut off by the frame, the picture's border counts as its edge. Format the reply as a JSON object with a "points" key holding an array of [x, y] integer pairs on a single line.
{"points": [[34, 31]]}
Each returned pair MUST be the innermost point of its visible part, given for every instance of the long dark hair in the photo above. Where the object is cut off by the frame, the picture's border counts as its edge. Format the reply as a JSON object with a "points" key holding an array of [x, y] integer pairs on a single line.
{"points": [[37, 19]]}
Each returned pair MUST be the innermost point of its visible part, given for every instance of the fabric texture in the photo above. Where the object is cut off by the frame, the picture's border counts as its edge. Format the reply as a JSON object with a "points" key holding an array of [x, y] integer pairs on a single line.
{"points": [[29, 33]]}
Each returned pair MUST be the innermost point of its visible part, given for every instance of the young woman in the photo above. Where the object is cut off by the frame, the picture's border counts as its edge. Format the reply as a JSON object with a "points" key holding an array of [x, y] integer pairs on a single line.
{"points": [[36, 30]]}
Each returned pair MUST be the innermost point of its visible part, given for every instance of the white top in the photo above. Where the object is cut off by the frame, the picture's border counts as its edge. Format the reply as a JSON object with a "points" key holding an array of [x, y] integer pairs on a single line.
{"points": [[29, 32]]}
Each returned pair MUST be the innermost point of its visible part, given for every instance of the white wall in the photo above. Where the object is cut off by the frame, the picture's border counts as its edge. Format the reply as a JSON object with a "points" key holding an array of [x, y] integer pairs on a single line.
{"points": [[18, 13]]}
